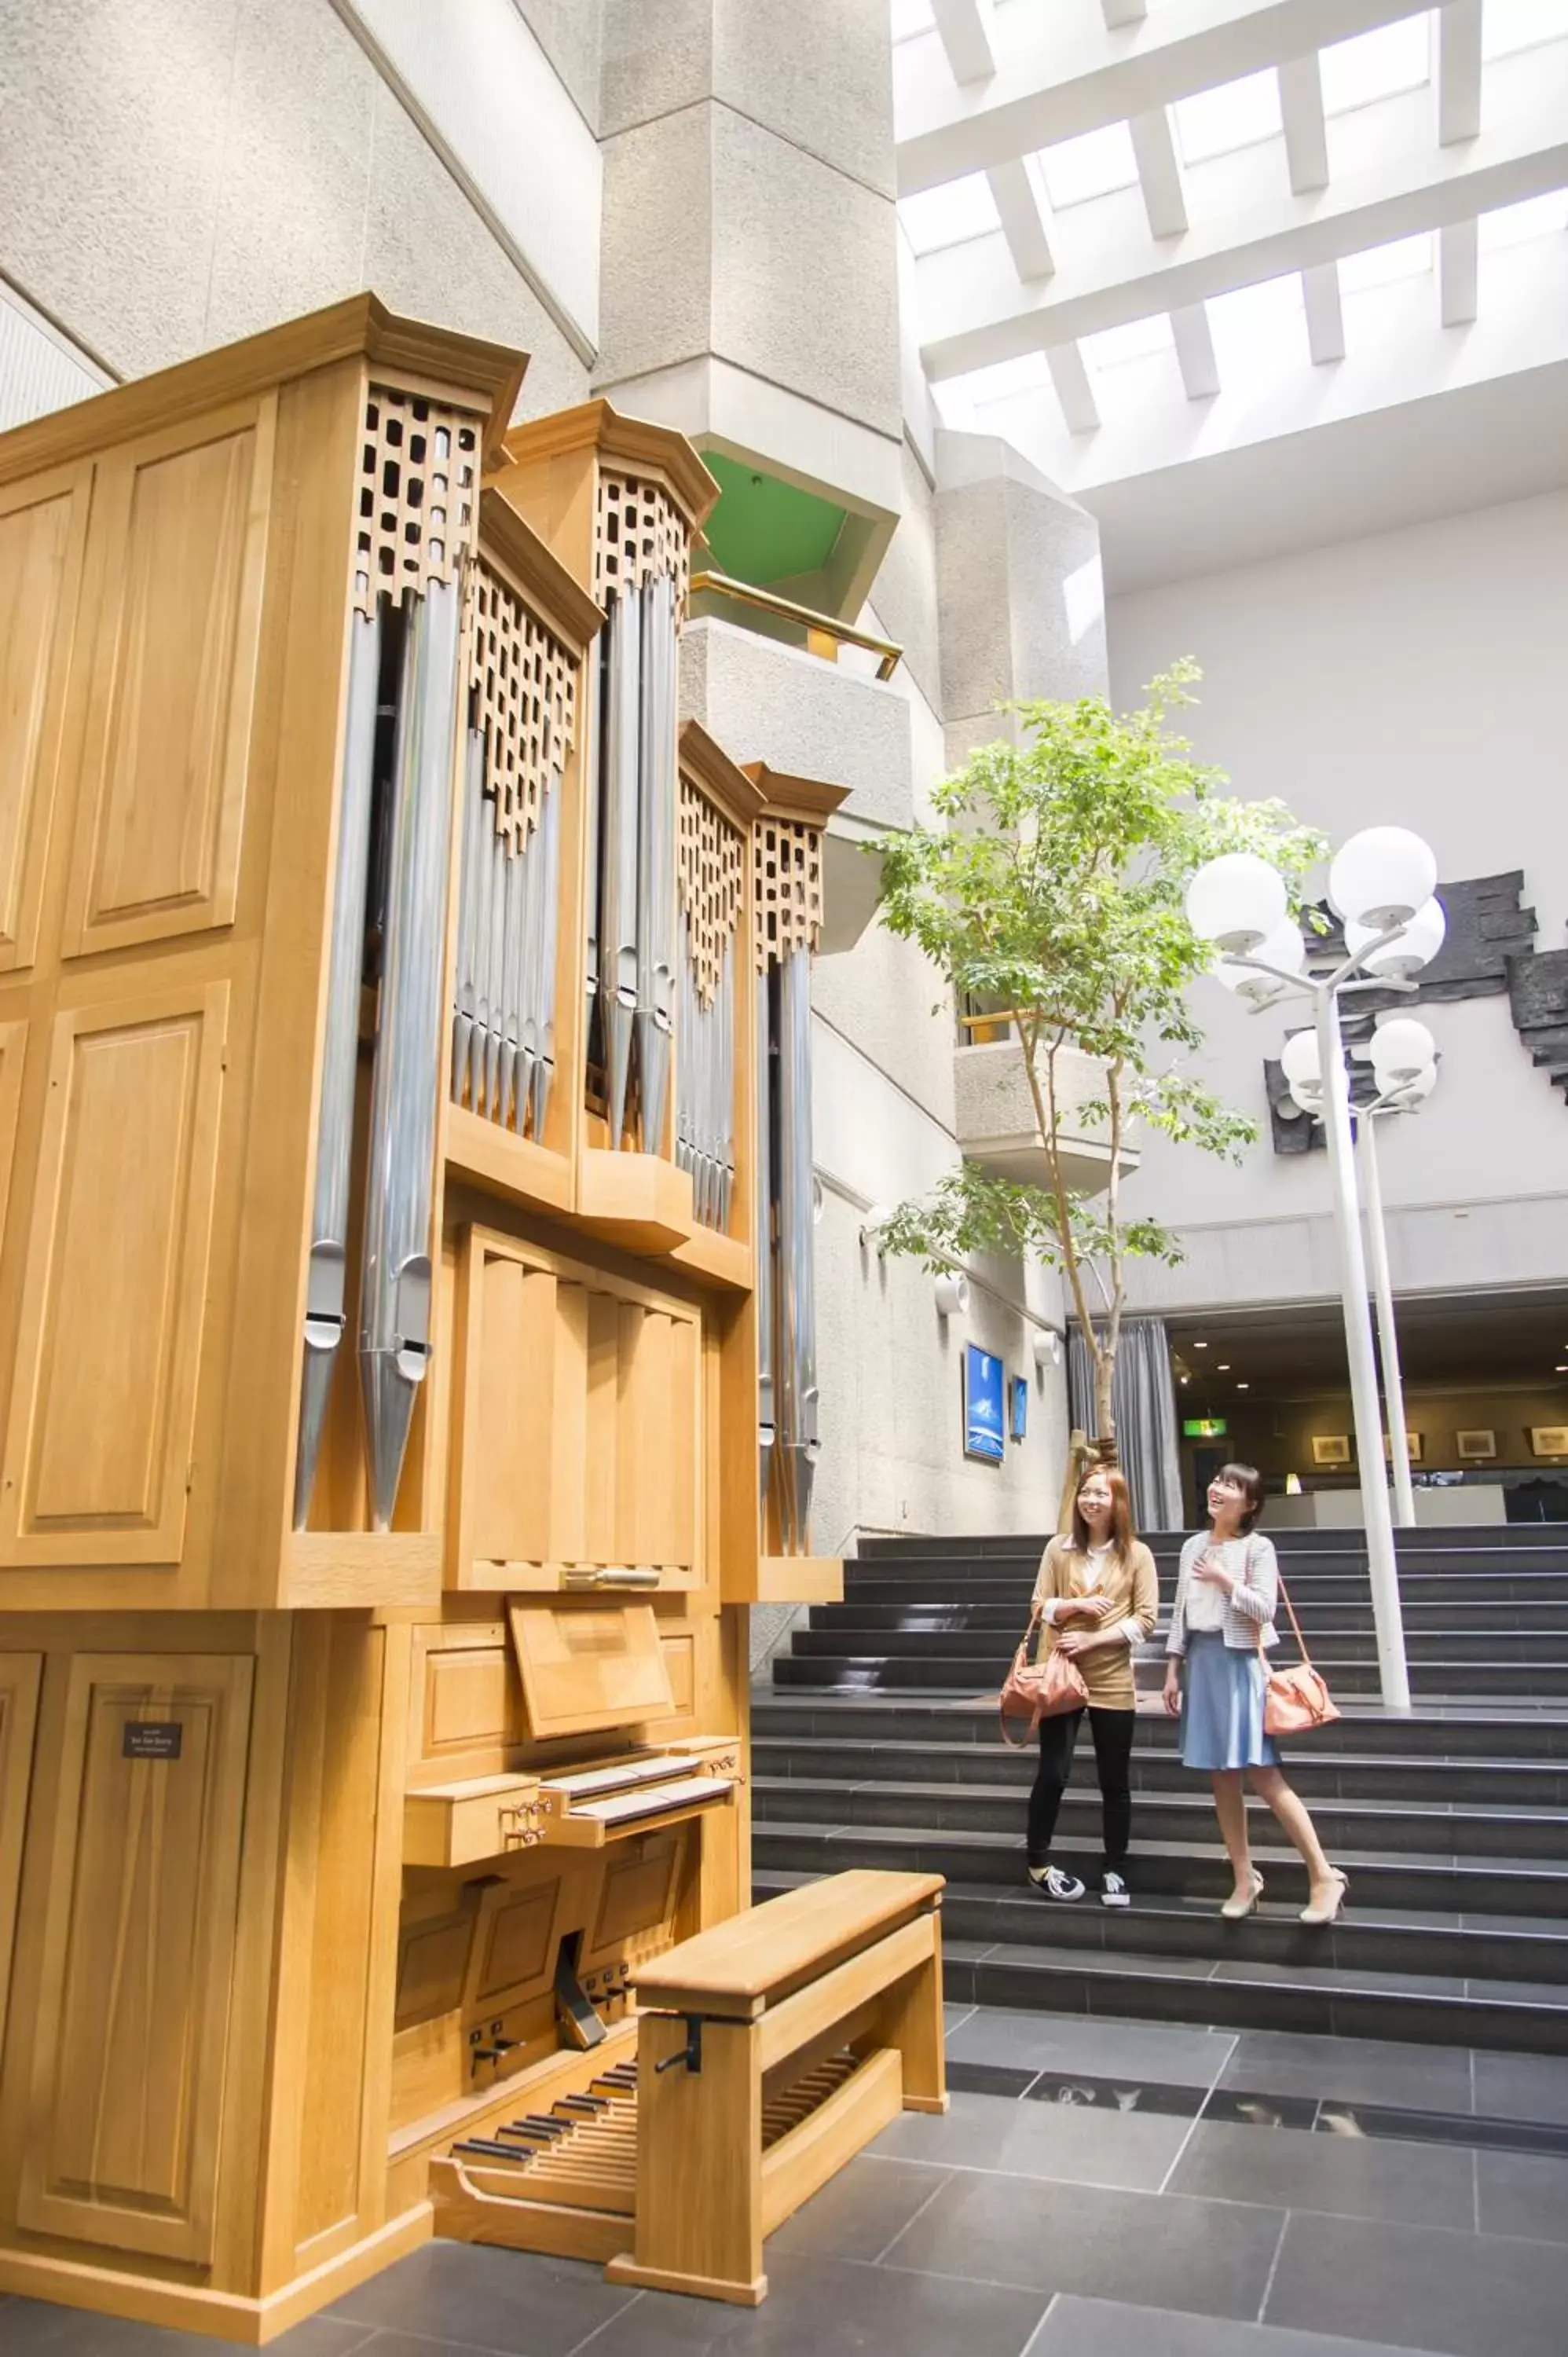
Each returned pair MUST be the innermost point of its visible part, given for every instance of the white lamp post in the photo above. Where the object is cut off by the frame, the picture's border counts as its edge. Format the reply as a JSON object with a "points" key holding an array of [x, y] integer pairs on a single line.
{"points": [[1381, 883], [1394, 1096]]}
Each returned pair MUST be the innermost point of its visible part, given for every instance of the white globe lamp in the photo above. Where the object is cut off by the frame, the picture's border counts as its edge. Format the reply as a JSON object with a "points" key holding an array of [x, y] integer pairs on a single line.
{"points": [[1381, 877], [1419, 1086], [1235, 901], [1401, 1051], [1307, 1099], [1414, 945], [1301, 1058]]}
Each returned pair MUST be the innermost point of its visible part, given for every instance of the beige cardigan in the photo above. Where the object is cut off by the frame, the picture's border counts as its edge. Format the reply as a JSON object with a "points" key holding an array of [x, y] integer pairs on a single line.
{"points": [[1133, 1586]]}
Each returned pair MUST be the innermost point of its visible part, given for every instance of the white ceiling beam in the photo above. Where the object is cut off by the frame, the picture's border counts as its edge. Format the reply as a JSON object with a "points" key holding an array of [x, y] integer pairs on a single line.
{"points": [[1073, 390], [1018, 193], [1325, 313], [976, 315], [1307, 131], [1195, 352], [1058, 72], [1118, 13], [1458, 267], [1458, 72], [1159, 174], [965, 29]]}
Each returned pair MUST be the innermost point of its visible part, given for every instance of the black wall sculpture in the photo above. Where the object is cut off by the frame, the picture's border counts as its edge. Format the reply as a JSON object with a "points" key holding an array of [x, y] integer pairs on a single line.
{"points": [[1488, 951]]}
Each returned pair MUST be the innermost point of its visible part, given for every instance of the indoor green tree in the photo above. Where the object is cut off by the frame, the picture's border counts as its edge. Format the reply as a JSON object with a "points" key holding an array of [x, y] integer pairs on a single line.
{"points": [[1051, 888]]}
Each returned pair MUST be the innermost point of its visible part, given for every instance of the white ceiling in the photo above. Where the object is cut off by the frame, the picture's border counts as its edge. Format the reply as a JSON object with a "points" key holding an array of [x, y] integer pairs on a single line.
{"points": [[1243, 274]]}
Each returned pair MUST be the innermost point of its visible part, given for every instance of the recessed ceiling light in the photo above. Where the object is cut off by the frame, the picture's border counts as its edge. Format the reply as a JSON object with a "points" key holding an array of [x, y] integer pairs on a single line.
{"points": [[1559, 1371], [1224, 1368], [1183, 1379], [1200, 1346], [1243, 1387]]}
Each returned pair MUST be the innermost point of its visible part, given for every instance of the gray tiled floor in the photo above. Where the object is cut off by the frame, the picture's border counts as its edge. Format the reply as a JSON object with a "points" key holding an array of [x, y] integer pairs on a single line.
{"points": [[1021, 2228]]}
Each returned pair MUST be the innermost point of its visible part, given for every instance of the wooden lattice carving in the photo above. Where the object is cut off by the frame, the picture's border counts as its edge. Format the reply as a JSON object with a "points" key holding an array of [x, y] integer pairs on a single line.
{"points": [[640, 534], [788, 887], [709, 869], [525, 685], [419, 494]]}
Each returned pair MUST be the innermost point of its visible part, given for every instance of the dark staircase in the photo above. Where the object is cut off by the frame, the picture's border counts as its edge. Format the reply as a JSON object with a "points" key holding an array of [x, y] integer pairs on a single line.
{"points": [[876, 1745]]}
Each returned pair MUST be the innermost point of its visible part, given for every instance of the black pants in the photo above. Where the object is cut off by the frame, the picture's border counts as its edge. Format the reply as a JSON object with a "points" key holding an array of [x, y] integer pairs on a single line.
{"points": [[1112, 1731]]}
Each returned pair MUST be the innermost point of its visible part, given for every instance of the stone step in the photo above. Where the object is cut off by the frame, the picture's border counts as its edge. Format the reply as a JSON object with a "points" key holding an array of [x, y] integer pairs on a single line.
{"points": [[1424, 1828], [1403, 1882], [1434, 1731], [1244, 1992], [1488, 1615], [1463, 1678], [1502, 1781], [1443, 1546]]}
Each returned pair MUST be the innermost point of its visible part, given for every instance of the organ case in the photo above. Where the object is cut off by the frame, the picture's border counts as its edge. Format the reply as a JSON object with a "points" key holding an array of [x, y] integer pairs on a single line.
{"points": [[379, 1353]]}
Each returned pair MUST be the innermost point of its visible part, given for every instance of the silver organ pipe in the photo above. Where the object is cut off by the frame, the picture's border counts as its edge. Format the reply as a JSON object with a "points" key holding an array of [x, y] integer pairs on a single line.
{"points": [[396, 1277], [618, 824], [766, 1196], [325, 1282], [798, 1442], [548, 855], [465, 998], [656, 857]]}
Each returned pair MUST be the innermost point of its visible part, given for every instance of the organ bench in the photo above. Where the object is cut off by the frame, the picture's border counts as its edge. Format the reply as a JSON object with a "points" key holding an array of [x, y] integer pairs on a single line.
{"points": [[768, 2050]]}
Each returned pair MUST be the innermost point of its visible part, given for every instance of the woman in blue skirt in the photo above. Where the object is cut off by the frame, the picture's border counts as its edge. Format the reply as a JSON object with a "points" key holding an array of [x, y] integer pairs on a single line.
{"points": [[1226, 1592]]}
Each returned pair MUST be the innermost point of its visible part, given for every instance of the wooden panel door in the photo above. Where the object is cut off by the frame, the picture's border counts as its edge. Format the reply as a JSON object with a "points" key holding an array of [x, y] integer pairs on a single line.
{"points": [[19, 1676], [98, 1446], [43, 524], [176, 559], [126, 2096]]}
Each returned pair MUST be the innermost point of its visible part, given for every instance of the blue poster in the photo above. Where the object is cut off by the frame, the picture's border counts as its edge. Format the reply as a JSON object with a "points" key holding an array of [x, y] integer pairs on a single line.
{"points": [[1020, 1406], [982, 1428]]}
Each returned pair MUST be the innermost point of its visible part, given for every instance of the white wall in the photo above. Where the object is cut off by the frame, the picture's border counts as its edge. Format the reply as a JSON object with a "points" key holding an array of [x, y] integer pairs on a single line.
{"points": [[1410, 678]]}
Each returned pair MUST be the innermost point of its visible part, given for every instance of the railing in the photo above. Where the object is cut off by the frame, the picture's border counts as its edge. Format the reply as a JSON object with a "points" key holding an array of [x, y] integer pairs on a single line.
{"points": [[987, 1028], [824, 634]]}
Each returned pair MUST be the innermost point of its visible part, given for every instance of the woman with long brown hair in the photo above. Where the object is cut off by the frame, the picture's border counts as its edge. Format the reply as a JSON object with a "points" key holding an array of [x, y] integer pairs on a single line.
{"points": [[1097, 1597]]}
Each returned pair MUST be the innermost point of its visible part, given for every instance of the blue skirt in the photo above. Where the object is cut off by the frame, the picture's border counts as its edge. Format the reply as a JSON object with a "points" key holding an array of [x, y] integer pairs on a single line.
{"points": [[1222, 1707]]}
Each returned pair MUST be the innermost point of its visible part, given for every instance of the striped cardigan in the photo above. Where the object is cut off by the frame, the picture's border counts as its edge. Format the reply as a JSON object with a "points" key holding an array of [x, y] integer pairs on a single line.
{"points": [[1252, 1604]]}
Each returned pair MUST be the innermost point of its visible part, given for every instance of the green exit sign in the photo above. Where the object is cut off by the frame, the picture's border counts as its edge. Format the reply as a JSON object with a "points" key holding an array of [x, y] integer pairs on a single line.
{"points": [[1203, 1428]]}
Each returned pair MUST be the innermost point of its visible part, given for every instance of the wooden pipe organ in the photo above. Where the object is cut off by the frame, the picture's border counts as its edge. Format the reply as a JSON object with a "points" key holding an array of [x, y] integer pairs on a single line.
{"points": [[389, 990]]}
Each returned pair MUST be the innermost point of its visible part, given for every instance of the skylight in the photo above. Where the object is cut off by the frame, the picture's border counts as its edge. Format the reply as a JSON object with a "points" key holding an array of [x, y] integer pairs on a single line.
{"points": [[1235, 114], [948, 215], [1114, 347], [1516, 224], [1093, 165], [1258, 330], [911, 16], [1382, 266], [1376, 65], [1510, 25]]}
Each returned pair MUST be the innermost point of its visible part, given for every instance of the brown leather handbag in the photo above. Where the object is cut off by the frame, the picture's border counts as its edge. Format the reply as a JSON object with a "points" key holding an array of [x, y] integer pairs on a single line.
{"points": [[1296, 1700], [1038, 1690]]}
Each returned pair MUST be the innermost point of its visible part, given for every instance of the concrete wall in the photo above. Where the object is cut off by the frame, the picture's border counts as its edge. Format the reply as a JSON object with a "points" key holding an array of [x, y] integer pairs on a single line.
{"points": [[1410, 678], [174, 176]]}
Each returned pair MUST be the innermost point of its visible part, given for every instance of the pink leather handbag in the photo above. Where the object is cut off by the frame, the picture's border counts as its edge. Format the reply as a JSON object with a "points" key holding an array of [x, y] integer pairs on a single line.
{"points": [[1040, 1690], [1295, 1699]]}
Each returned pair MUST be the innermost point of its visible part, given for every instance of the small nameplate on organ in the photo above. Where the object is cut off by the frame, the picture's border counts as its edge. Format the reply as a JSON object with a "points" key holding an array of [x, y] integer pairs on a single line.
{"points": [[152, 1738], [620, 1779], [652, 1798]]}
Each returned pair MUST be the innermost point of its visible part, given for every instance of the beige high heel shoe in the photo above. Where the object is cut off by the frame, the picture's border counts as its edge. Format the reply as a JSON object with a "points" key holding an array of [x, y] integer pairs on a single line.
{"points": [[1331, 1913], [1236, 1908]]}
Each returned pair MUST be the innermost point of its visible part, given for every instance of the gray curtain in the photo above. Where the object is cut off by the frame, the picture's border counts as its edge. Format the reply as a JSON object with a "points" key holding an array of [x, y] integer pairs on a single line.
{"points": [[1144, 1398]]}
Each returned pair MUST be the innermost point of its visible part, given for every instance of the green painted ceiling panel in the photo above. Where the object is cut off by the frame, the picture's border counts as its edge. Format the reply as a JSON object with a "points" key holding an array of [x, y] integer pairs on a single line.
{"points": [[762, 530]]}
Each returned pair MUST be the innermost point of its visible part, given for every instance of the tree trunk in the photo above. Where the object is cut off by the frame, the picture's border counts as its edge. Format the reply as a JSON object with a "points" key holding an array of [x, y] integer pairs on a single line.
{"points": [[1104, 1417]]}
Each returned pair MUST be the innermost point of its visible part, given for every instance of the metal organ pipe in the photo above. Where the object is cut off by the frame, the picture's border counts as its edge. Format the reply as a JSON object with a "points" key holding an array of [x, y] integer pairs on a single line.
{"points": [[656, 857], [396, 1277], [799, 1439], [766, 1203], [548, 851], [618, 911], [325, 1282]]}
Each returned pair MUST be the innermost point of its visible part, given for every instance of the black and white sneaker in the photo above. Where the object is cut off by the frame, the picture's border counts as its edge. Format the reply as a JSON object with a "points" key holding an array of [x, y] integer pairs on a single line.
{"points": [[1050, 1882], [1113, 1891]]}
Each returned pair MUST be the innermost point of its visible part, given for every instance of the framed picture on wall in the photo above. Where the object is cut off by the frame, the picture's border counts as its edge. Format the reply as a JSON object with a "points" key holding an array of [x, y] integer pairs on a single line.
{"points": [[1550, 1440], [1415, 1443], [982, 1395], [1475, 1447], [1331, 1448]]}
